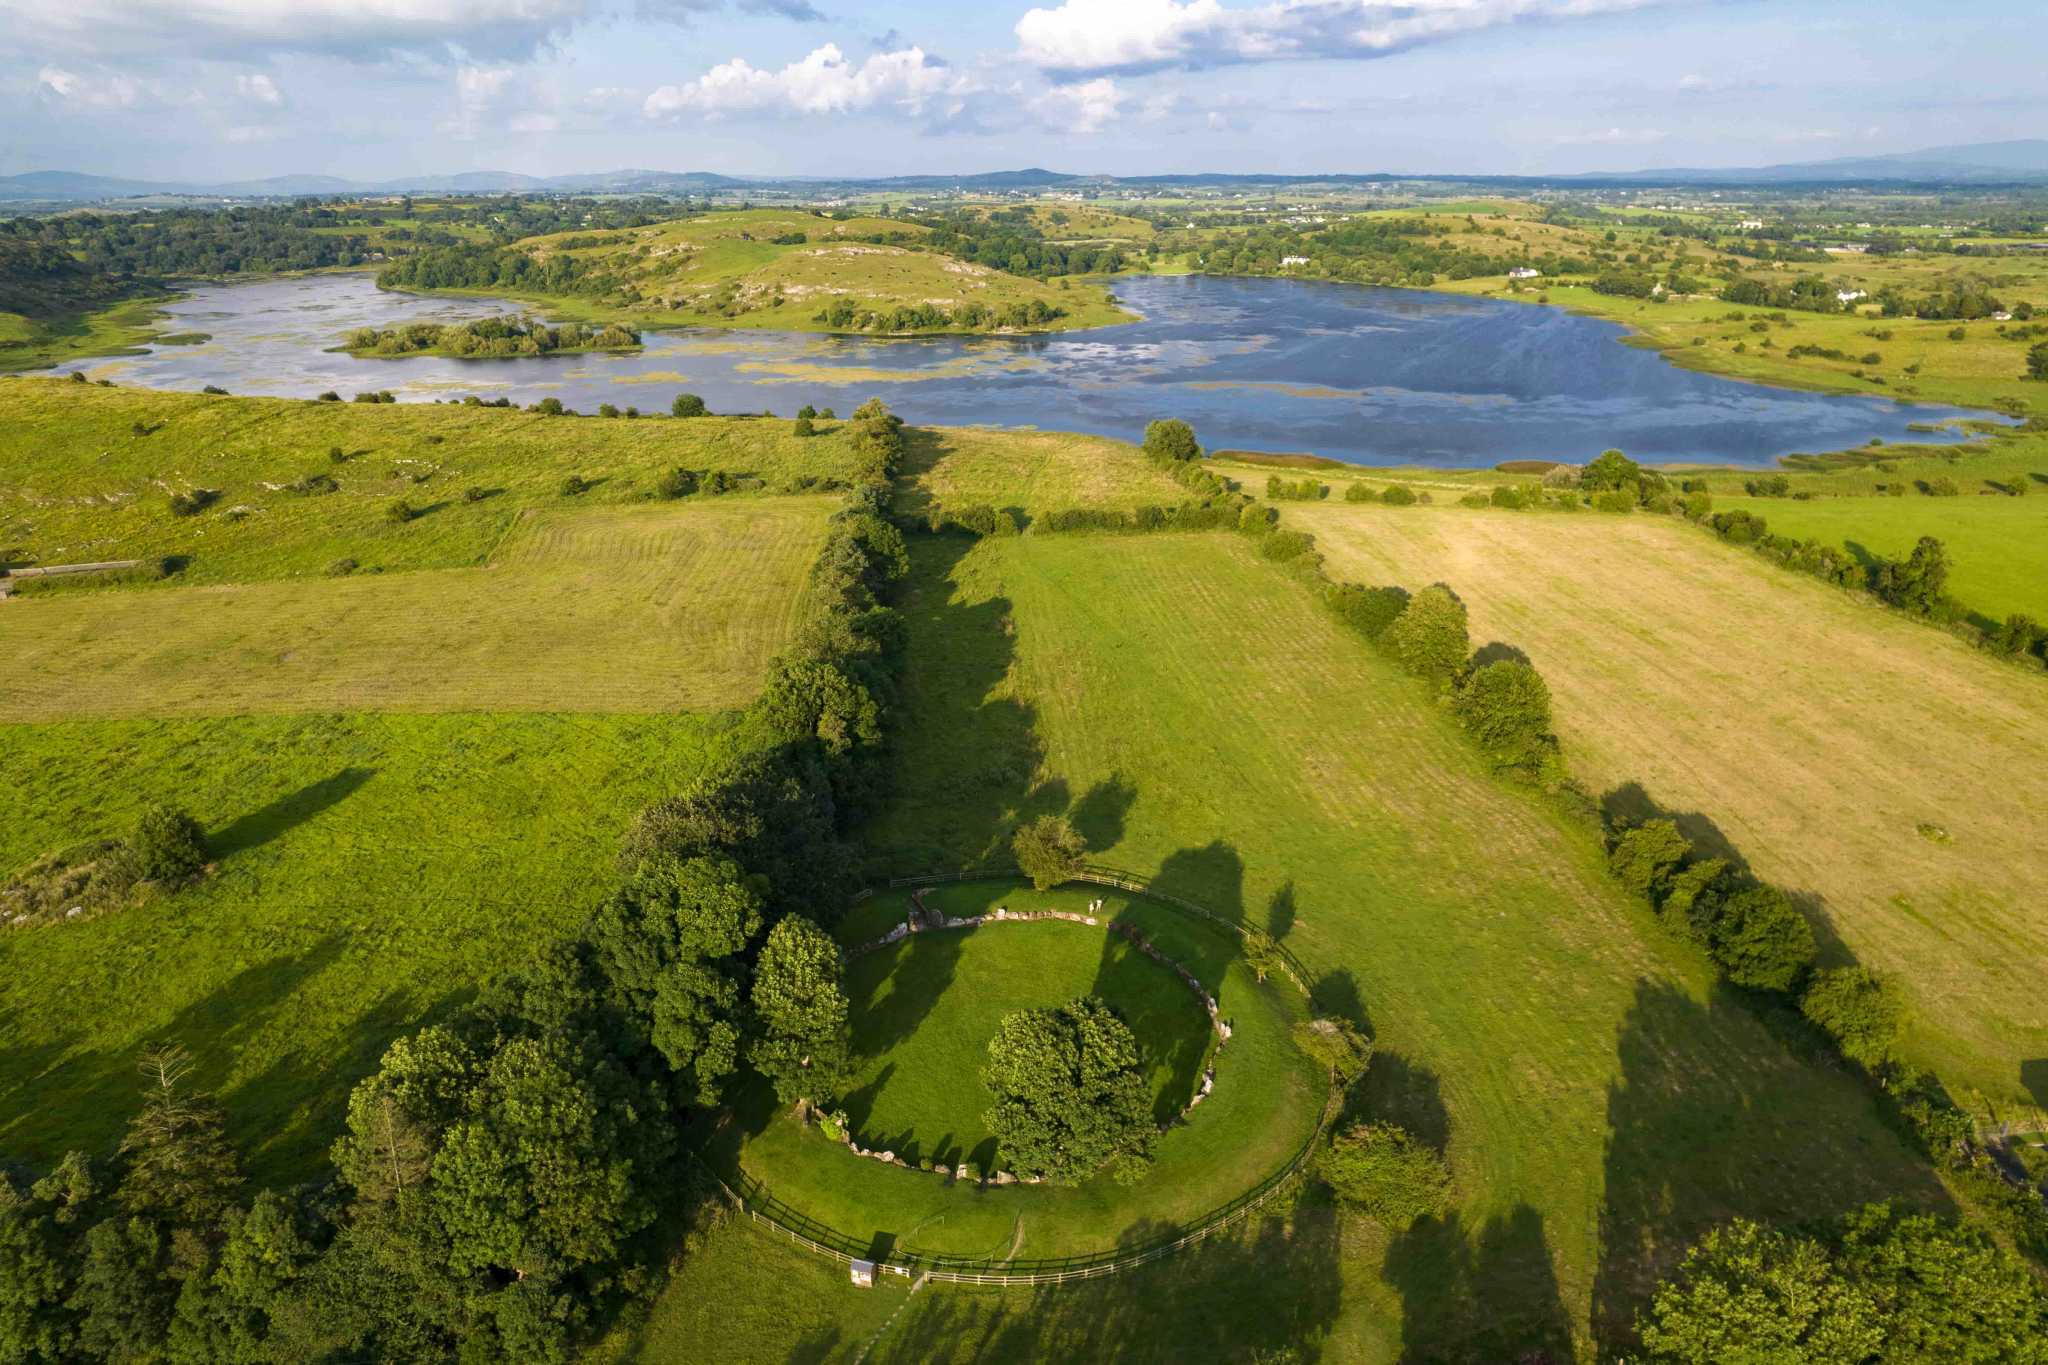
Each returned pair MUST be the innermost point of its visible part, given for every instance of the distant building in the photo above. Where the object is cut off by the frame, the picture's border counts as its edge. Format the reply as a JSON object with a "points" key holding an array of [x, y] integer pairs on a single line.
{"points": [[1293, 260], [1850, 295], [1523, 272], [1750, 225]]}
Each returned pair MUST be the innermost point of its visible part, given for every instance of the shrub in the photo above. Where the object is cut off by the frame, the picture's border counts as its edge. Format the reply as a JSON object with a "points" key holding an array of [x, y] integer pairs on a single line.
{"points": [[1382, 1170], [192, 502], [607, 410], [1941, 486], [1759, 940], [1505, 706], [1256, 518], [1697, 504], [1359, 492], [474, 494], [1261, 953], [1738, 527], [400, 512], [314, 484], [549, 407], [342, 568], [675, 483], [572, 484], [1398, 495], [214, 389], [1914, 584], [168, 845], [1049, 850], [2037, 361], [1286, 545], [803, 427], [1509, 496], [1613, 471], [1336, 1044], [1770, 486], [1171, 441], [330, 397], [1369, 611], [1428, 638], [1615, 500], [1861, 1010], [2018, 634], [1644, 858]]}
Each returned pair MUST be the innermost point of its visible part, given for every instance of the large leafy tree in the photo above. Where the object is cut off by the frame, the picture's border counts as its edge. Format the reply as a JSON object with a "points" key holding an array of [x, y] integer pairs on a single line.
{"points": [[800, 1011], [538, 1172], [178, 1167], [1505, 705], [671, 941], [1070, 1093]]}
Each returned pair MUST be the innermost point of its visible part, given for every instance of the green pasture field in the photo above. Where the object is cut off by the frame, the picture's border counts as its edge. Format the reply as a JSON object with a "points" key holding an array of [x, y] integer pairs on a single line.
{"points": [[683, 271], [1997, 545], [1804, 730], [370, 872], [1204, 723], [79, 484], [669, 606], [1032, 472], [925, 1008]]}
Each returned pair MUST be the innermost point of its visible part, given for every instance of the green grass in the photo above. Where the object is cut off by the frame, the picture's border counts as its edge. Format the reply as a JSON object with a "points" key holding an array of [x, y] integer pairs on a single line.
{"points": [[725, 270], [45, 342], [923, 1013], [653, 607], [1205, 723], [1033, 472], [925, 1008], [370, 872], [78, 483]]}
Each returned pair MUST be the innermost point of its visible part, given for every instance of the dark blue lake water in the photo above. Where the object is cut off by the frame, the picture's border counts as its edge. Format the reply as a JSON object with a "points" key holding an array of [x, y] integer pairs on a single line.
{"points": [[1368, 375]]}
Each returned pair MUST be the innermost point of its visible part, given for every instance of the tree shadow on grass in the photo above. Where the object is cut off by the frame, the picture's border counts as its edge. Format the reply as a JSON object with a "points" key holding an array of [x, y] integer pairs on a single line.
{"points": [[1399, 1091], [1212, 876], [1485, 1294], [1268, 1290], [260, 826], [887, 1008], [2034, 1076], [1171, 1026], [1099, 815], [966, 759], [1707, 1121], [1281, 911]]}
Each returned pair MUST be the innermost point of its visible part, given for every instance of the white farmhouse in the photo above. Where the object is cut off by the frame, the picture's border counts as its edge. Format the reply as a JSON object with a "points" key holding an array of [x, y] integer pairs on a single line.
{"points": [[1524, 272], [1850, 295], [1293, 260]]}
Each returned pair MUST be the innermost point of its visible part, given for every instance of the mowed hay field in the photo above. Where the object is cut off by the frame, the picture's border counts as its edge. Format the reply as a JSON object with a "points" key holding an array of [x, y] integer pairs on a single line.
{"points": [[1204, 722], [1031, 471], [1815, 731], [369, 873], [650, 607]]}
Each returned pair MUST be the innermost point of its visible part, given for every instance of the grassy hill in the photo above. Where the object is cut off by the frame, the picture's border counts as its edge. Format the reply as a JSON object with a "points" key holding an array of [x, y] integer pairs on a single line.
{"points": [[781, 268], [1812, 732]]}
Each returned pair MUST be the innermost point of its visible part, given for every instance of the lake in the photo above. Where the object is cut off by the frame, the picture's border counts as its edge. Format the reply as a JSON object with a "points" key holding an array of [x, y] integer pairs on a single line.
{"points": [[1380, 376]]}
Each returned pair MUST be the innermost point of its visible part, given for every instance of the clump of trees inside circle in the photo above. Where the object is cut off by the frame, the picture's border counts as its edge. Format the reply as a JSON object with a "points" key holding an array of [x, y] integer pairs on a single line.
{"points": [[1070, 1094]]}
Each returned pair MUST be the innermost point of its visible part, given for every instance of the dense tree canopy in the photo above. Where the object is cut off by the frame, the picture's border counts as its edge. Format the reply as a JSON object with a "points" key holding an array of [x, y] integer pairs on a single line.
{"points": [[1070, 1094], [1049, 850], [801, 1040]]}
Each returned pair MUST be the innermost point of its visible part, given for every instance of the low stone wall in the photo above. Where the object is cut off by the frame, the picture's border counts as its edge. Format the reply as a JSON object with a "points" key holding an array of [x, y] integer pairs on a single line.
{"points": [[1002, 914]]}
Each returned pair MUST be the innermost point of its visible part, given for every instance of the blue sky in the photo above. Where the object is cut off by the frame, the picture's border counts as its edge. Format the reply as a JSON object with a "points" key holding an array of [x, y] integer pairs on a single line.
{"points": [[230, 89]]}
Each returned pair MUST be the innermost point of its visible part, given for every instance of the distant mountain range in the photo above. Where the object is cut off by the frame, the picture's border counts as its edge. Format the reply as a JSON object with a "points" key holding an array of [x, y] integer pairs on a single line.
{"points": [[1986, 163]]}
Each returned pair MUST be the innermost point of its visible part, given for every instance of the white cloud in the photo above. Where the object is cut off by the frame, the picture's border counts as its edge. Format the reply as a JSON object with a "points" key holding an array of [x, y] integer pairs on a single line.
{"points": [[1616, 137], [1086, 107], [259, 89], [824, 82], [493, 98], [355, 28], [1148, 35], [103, 90]]}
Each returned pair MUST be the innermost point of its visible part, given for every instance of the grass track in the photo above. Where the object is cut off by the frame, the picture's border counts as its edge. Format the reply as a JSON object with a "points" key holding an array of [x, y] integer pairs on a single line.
{"points": [[1813, 731], [371, 870], [656, 607]]}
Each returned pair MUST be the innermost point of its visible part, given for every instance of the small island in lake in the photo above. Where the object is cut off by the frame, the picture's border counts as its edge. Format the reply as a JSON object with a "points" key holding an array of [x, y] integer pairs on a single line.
{"points": [[489, 339]]}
